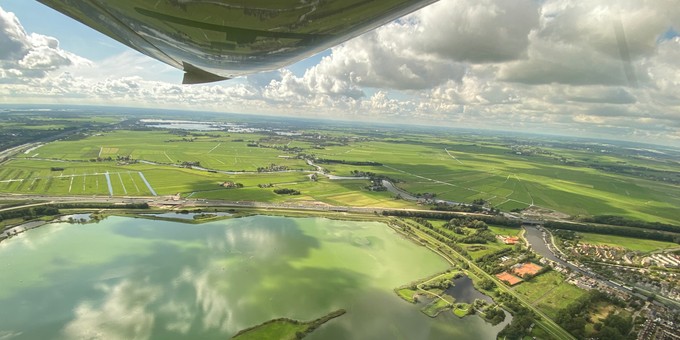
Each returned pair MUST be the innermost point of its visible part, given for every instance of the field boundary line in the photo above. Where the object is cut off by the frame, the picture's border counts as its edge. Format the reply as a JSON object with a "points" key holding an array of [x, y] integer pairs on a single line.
{"points": [[133, 182], [211, 150], [147, 184], [168, 157], [121, 183], [452, 156]]}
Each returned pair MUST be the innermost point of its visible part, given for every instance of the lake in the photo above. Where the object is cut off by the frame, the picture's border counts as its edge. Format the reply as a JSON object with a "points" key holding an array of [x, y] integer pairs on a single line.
{"points": [[463, 290], [126, 278]]}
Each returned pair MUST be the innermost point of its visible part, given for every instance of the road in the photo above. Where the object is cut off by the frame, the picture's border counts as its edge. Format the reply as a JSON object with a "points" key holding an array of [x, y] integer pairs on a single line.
{"points": [[166, 201]]}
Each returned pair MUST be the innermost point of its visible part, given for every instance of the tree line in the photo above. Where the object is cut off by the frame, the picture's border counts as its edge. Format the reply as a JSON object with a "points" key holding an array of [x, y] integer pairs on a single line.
{"points": [[342, 161], [53, 209], [613, 230], [286, 191], [29, 213], [627, 222], [440, 215]]}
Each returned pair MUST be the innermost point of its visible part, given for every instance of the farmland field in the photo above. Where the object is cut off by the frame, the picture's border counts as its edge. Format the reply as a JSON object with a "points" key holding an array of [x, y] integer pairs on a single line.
{"points": [[549, 292], [506, 174], [625, 242]]}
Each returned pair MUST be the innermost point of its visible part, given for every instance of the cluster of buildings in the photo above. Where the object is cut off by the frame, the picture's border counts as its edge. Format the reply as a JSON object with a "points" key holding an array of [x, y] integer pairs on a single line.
{"points": [[668, 260], [623, 256], [658, 325], [508, 239], [602, 252]]}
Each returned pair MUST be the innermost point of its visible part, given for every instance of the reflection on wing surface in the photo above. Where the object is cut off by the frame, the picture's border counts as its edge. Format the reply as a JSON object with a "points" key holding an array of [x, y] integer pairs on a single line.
{"points": [[219, 39]]}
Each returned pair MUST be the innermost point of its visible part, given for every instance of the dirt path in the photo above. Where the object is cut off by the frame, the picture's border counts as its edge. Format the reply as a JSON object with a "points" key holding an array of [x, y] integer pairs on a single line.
{"points": [[211, 150], [452, 156]]}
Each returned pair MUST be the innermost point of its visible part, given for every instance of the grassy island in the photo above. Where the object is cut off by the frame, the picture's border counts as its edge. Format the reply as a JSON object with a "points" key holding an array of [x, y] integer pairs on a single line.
{"points": [[284, 328]]}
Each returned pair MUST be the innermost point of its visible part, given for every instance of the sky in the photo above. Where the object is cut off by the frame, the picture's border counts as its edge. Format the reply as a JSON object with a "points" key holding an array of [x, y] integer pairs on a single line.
{"points": [[552, 67]]}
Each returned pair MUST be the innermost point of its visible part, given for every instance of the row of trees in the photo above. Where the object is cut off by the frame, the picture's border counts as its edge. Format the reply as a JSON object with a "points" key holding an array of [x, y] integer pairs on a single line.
{"points": [[94, 205], [53, 209], [626, 222], [29, 213], [342, 161], [440, 215], [613, 230], [286, 191], [522, 318]]}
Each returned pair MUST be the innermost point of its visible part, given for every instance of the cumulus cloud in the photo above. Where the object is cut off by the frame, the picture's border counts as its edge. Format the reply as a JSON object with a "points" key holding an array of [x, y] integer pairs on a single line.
{"points": [[592, 42], [32, 55], [122, 315], [425, 49], [557, 65], [475, 31]]}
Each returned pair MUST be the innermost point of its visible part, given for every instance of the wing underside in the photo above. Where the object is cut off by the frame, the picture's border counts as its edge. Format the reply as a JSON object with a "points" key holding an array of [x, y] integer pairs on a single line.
{"points": [[214, 40]]}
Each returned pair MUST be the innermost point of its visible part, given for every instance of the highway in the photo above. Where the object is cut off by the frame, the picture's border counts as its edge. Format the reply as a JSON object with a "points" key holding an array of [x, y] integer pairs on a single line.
{"points": [[169, 202]]}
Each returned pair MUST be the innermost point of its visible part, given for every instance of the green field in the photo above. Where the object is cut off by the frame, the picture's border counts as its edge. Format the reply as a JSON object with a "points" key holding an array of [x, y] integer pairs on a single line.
{"points": [[510, 181], [286, 329], [549, 292], [281, 329], [435, 307], [636, 244], [456, 168]]}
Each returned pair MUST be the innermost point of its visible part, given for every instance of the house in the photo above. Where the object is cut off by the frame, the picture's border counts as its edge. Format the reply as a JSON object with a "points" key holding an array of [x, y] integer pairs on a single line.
{"points": [[508, 239]]}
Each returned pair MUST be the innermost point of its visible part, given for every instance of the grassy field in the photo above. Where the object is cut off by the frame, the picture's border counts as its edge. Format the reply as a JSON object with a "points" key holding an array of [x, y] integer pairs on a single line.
{"points": [[549, 292], [407, 294], [505, 231], [435, 307], [284, 328], [281, 329], [457, 168], [464, 171], [636, 244], [462, 310]]}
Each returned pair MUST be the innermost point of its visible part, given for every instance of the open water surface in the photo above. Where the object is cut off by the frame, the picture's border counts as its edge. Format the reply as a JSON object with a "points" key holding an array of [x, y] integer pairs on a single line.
{"points": [[125, 278]]}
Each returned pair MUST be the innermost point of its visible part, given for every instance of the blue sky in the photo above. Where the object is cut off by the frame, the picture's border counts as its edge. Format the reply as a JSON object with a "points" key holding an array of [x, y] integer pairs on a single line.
{"points": [[552, 66], [73, 36]]}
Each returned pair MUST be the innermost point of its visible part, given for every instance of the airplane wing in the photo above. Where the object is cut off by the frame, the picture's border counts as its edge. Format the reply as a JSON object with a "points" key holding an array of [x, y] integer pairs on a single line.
{"points": [[213, 40]]}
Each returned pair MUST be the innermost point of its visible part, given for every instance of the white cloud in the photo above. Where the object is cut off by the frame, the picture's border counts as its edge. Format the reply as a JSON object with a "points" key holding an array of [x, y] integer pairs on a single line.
{"points": [[475, 31], [25, 55], [122, 315], [591, 42], [555, 66]]}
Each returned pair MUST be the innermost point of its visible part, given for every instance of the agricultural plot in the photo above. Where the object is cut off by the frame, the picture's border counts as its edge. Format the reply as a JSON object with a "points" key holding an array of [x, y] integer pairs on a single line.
{"points": [[634, 244], [505, 231], [216, 151], [76, 178], [510, 181], [549, 292], [460, 169], [478, 250]]}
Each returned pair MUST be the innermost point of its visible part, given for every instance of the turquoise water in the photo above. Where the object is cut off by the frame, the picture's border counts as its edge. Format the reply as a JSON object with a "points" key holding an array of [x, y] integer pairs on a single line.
{"points": [[125, 278]]}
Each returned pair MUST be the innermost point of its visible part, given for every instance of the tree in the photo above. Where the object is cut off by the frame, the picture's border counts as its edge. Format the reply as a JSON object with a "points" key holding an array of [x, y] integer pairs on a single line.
{"points": [[487, 284]]}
